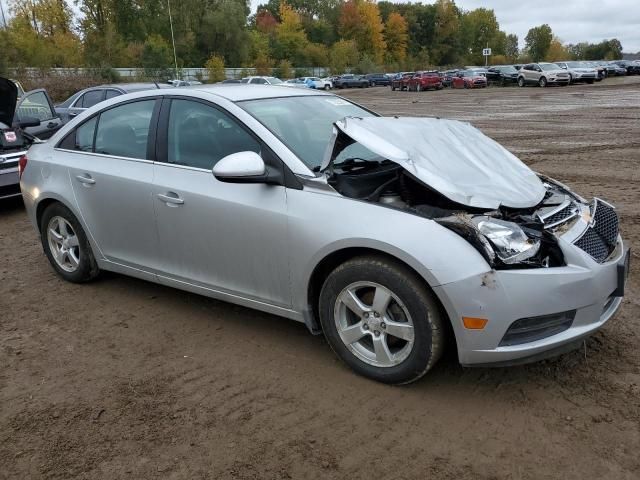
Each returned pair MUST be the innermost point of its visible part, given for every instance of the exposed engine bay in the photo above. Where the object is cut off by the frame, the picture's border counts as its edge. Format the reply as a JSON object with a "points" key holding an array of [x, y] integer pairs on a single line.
{"points": [[506, 237]]}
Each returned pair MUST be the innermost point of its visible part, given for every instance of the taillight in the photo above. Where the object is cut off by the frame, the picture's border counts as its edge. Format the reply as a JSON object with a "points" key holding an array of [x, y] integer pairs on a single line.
{"points": [[22, 164]]}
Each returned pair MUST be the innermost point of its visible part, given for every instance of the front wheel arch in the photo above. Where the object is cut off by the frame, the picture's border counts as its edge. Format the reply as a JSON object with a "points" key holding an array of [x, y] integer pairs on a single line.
{"points": [[331, 261]]}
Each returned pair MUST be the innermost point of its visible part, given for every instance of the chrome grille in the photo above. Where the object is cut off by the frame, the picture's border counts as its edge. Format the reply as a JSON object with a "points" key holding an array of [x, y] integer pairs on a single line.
{"points": [[599, 240], [560, 216], [606, 223]]}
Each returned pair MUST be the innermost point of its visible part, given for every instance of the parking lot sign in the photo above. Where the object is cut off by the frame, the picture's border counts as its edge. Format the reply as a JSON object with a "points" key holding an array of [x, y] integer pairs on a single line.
{"points": [[486, 52]]}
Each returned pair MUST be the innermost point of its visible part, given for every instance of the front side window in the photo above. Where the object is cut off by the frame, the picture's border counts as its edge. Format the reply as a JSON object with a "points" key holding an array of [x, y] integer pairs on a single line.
{"points": [[91, 98], [123, 131], [200, 135], [35, 105]]}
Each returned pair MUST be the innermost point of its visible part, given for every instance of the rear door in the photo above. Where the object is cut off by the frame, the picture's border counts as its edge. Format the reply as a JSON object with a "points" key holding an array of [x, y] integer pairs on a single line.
{"points": [[111, 170], [37, 104]]}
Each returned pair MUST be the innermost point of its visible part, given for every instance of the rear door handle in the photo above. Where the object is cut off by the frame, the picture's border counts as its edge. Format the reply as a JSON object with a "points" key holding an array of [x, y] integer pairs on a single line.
{"points": [[85, 179], [171, 198]]}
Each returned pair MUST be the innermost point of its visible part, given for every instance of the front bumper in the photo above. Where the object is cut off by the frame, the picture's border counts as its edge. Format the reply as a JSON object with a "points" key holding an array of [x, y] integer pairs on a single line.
{"points": [[558, 80], [504, 296]]}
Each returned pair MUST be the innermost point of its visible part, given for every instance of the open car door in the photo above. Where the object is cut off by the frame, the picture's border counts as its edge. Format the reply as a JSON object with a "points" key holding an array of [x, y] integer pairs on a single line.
{"points": [[36, 104]]}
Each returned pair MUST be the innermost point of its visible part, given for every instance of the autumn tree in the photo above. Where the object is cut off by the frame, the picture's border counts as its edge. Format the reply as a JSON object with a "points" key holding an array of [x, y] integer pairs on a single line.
{"points": [[215, 68], [360, 21], [291, 39], [396, 37], [538, 41], [557, 51]]}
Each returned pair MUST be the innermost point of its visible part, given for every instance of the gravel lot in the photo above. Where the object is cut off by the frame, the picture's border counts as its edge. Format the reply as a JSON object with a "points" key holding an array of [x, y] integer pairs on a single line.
{"points": [[126, 379]]}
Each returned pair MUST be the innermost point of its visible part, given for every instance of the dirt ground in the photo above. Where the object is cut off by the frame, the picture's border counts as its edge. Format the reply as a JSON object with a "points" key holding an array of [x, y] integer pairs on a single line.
{"points": [[126, 379]]}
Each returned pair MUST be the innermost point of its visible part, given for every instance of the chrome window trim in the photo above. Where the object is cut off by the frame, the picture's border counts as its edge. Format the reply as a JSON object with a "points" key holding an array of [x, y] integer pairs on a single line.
{"points": [[103, 155]]}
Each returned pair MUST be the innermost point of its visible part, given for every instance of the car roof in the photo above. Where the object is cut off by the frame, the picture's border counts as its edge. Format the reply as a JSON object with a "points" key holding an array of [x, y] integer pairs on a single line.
{"points": [[130, 87], [239, 92]]}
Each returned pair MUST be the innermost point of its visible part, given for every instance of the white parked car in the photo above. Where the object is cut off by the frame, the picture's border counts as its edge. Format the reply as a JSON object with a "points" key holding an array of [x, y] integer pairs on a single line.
{"points": [[262, 80], [579, 71]]}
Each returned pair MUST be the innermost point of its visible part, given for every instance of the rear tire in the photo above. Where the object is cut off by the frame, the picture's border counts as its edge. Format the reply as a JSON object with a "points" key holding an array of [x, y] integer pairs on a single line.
{"points": [[66, 245], [406, 308], [418, 88]]}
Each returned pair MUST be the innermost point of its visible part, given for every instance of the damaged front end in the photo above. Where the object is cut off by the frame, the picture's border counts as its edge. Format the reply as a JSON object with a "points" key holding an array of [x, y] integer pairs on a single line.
{"points": [[522, 231]]}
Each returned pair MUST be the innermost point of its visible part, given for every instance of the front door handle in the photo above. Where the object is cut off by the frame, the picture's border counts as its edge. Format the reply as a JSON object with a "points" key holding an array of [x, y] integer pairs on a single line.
{"points": [[52, 125], [171, 199], [85, 179]]}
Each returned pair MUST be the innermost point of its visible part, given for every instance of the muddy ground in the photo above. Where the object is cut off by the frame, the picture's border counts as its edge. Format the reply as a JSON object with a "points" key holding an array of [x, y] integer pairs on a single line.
{"points": [[126, 379]]}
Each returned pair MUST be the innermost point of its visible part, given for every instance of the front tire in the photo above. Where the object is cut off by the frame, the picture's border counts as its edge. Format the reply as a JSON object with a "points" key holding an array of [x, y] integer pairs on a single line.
{"points": [[418, 88], [66, 246], [521, 82], [542, 82], [381, 320]]}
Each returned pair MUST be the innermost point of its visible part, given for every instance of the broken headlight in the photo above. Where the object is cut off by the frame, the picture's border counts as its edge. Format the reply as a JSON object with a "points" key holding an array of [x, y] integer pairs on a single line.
{"points": [[509, 242]]}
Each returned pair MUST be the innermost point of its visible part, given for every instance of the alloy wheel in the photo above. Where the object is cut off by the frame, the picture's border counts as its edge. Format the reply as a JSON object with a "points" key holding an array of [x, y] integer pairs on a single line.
{"points": [[64, 244], [374, 324]]}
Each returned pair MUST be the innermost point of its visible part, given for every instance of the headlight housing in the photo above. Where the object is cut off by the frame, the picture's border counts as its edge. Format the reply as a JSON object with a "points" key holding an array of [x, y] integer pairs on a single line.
{"points": [[509, 242]]}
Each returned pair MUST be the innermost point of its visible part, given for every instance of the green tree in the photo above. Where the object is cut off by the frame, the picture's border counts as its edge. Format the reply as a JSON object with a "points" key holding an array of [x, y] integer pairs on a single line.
{"points": [[157, 58], [343, 54], [215, 68], [511, 49], [538, 41]]}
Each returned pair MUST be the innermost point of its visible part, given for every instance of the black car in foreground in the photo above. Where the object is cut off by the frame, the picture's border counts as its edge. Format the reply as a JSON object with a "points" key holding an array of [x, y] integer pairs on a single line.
{"points": [[502, 75], [378, 79], [22, 122]]}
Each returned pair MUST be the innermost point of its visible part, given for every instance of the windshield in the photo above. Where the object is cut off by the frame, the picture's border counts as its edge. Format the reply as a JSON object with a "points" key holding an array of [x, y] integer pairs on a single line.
{"points": [[507, 69], [549, 66], [304, 124], [274, 80]]}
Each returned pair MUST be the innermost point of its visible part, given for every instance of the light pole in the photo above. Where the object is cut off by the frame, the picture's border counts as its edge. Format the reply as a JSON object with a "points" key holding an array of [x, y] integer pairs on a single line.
{"points": [[173, 40], [4, 19]]}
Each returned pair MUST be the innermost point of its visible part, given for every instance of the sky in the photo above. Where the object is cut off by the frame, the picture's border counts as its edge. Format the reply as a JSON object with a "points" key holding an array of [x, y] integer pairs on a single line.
{"points": [[572, 21]]}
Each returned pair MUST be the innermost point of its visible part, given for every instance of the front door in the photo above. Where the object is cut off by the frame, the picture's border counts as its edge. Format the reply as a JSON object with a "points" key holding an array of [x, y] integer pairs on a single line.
{"points": [[222, 236], [37, 104]]}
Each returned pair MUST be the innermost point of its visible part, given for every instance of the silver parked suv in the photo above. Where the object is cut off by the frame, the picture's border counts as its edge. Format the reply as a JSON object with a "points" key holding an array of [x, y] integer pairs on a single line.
{"points": [[543, 74]]}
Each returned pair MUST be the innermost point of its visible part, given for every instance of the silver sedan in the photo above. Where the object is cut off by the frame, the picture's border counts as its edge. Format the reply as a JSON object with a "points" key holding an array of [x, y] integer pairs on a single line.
{"points": [[390, 236]]}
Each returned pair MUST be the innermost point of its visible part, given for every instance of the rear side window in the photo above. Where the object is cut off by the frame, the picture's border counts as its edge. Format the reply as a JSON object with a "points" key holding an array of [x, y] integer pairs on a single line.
{"points": [[123, 131], [91, 98], [200, 135], [112, 94], [84, 136]]}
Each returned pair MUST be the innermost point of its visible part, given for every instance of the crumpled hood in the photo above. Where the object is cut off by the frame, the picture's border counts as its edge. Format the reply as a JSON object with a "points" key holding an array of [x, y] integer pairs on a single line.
{"points": [[452, 157], [8, 98]]}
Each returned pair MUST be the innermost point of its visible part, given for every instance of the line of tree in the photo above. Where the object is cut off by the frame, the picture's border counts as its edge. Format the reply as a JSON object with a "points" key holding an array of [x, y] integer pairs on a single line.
{"points": [[339, 34]]}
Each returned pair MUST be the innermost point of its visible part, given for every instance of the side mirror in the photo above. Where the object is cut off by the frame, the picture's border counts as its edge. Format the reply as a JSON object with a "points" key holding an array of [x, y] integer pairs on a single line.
{"points": [[241, 167], [28, 122]]}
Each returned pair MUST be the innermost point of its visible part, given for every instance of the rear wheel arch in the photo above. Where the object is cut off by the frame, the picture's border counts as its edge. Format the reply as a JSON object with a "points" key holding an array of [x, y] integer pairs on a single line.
{"points": [[42, 206], [336, 258]]}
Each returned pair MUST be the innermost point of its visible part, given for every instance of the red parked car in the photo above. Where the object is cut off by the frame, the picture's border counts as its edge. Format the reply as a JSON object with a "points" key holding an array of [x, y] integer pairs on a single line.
{"points": [[469, 79], [425, 81], [401, 80]]}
